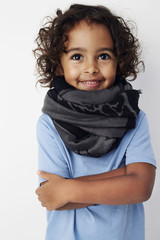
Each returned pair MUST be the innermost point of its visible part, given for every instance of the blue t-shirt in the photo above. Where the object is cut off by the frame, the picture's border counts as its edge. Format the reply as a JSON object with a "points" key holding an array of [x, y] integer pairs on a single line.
{"points": [[96, 222]]}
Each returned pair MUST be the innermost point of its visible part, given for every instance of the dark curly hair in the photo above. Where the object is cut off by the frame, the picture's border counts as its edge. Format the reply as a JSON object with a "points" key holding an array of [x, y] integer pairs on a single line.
{"points": [[53, 35]]}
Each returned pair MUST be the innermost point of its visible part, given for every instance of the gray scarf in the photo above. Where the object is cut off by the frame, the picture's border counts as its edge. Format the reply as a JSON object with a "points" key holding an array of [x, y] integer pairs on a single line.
{"points": [[92, 123]]}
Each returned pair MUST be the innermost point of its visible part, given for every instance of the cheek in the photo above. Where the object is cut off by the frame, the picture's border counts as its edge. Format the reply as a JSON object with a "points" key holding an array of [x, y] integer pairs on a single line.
{"points": [[72, 72], [113, 70], [70, 76], [110, 72]]}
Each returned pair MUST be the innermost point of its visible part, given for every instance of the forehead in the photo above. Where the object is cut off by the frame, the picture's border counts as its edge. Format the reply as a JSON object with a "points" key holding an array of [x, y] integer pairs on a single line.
{"points": [[84, 33]]}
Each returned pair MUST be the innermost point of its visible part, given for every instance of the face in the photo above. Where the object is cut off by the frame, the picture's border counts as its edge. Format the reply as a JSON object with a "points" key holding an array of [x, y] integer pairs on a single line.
{"points": [[89, 62]]}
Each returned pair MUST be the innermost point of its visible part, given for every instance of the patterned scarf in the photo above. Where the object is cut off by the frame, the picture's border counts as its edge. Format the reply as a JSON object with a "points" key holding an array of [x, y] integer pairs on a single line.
{"points": [[92, 123]]}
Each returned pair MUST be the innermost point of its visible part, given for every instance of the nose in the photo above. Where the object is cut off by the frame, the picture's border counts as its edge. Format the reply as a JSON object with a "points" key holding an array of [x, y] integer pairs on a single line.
{"points": [[91, 67]]}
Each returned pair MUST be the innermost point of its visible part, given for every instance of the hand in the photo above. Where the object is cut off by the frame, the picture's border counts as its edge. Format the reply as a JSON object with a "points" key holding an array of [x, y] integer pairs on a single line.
{"points": [[52, 194]]}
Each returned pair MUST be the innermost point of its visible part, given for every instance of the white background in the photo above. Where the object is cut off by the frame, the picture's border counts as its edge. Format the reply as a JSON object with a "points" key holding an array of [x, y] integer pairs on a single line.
{"points": [[21, 216]]}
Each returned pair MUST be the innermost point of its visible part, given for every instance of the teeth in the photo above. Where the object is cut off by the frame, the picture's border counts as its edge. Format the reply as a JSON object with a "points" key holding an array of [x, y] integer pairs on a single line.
{"points": [[89, 82]]}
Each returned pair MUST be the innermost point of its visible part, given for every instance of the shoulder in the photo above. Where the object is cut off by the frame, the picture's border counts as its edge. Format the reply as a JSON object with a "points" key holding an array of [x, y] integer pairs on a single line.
{"points": [[45, 125], [139, 147], [44, 120], [140, 127], [47, 133], [141, 119], [52, 156]]}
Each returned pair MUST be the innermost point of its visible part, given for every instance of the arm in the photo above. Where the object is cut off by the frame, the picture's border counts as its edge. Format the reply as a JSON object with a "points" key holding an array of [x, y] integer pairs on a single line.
{"points": [[113, 173], [134, 187]]}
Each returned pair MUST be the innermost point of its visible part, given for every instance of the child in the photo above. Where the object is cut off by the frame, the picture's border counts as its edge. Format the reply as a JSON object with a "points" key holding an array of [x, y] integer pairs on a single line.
{"points": [[95, 157]]}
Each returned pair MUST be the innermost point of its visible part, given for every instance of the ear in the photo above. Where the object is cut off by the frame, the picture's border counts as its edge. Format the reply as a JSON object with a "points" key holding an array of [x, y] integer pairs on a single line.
{"points": [[59, 70]]}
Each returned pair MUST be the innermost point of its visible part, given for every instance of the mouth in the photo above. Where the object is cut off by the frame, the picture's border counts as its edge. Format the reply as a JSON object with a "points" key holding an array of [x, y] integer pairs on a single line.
{"points": [[92, 83]]}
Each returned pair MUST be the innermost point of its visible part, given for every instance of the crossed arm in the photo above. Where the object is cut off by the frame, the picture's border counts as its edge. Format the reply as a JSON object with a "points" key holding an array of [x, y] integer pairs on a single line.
{"points": [[127, 185]]}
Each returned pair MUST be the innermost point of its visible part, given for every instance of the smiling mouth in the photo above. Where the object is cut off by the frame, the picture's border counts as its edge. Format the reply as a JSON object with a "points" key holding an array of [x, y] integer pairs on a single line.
{"points": [[92, 83]]}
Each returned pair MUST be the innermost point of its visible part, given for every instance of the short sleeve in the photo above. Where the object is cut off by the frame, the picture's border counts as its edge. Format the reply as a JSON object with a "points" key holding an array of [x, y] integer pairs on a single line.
{"points": [[140, 148], [50, 152]]}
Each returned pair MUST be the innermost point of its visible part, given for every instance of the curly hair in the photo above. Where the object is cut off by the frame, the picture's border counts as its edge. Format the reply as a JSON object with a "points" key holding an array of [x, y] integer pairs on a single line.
{"points": [[53, 35]]}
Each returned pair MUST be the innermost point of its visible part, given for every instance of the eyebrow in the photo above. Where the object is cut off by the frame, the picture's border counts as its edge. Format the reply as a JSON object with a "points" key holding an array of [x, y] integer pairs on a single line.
{"points": [[84, 50]]}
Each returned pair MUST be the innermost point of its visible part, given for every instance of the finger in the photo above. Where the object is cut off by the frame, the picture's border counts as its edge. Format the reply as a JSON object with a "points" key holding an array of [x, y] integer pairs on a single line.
{"points": [[40, 198], [42, 201], [43, 174], [43, 204], [37, 191], [42, 183], [49, 208]]}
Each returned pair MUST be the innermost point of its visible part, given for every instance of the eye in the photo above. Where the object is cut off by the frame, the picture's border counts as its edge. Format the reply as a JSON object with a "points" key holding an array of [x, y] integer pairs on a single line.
{"points": [[77, 57], [104, 56]]}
